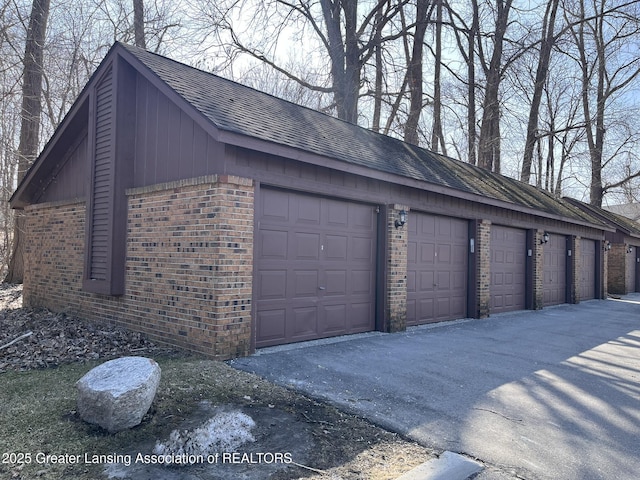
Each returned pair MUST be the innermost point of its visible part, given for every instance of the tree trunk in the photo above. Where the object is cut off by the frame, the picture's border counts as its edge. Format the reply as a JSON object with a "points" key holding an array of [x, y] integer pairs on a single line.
{"points": [[377, 94], [546, 44], [471, 87], [437, 137], [489, 144], [344, 56], [138, 23], [30, 128], [414, 74]]}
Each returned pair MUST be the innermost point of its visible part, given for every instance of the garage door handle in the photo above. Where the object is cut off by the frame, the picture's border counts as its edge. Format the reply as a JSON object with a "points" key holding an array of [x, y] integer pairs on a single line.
{"points": [[322, 288]]}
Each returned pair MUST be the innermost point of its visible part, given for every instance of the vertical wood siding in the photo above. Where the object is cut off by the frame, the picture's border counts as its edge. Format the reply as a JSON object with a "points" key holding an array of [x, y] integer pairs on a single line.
{"points": [[170, 145]]}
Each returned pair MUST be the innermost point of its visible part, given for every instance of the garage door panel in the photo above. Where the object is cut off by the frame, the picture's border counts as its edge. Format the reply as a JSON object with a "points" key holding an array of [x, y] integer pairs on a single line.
{"points": [[361, 283], [305, 283], [437, 268], [458, 306], [444, 254], [308, 210], [363, 249], [427, 281], [443, 281], [335, 319], [273, 284], [305, 321], [338, 216], [508, 268], [411, 281], [412, 253], [271, 324], [459, 282], [426, 308], [274, 244], [307, 246], [276, 207], [428, 253], [336, 247], [360, 218], [359, 318], [328, 268]]}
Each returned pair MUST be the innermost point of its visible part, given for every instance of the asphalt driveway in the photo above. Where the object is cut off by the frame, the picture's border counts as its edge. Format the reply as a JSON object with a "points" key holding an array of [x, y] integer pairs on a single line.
{"points": [[552, 394]]}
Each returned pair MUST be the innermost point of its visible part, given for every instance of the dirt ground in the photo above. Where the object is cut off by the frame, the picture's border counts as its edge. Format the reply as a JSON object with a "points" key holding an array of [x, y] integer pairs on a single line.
{"points": [[295, 437]]}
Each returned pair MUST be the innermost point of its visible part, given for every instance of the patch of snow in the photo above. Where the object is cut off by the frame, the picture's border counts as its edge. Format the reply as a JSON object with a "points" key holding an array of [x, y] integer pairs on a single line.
{"points": [[225, 432]]}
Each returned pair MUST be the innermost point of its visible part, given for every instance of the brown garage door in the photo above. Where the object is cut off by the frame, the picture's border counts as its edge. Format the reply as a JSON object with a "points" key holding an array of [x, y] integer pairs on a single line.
{"points": [[508, 269], [554, 278], [587, 270], [315, 267], [436, 268]]}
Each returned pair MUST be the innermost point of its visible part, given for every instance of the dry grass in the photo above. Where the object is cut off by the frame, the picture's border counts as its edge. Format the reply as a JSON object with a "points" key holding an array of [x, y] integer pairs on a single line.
{"points": [[38, 417]]}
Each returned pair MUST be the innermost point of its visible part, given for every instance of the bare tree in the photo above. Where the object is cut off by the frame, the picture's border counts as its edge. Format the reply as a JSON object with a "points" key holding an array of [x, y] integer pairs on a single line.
{"points": [[346, 31], [489, 143], [437, 135], [138, 23], [466, 34], [547, 42], [607, 69], [31, 110], [415, 70]]}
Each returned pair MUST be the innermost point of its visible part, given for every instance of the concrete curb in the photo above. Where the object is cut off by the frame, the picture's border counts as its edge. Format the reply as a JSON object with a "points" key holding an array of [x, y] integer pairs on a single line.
{"points": [[448, 466]]}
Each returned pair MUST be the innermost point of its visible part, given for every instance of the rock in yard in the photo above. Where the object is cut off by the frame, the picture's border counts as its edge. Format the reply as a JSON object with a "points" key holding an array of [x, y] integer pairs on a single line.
{"points": [[118, 393]]}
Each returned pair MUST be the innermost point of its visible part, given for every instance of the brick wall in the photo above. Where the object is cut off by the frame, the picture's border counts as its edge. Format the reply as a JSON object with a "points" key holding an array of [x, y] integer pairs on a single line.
{"points": [[616, 269], [54, 255], [189, 264], [483, 260], [398, 241], [538, 270], [574, 265]]}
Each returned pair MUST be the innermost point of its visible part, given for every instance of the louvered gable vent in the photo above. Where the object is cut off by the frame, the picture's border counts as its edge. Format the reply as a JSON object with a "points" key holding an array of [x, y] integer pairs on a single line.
{"points": [[102, 180], [111, 147]]}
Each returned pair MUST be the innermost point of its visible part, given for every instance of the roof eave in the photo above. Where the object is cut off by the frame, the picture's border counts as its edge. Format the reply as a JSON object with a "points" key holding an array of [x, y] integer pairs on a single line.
{"points": [[616, 226], [252, 143]]}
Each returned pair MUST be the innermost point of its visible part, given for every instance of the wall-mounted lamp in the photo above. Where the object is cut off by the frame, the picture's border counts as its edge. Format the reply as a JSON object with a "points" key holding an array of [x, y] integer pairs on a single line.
{"points": [[606, 246], [402, 219], [545, 238], [629, 249]]}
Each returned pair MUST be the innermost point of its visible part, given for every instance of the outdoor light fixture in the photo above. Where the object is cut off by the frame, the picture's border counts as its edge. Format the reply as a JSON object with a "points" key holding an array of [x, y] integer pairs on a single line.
{"points": [[606, 246], [545, 238], [629, 249], [402, 219]]}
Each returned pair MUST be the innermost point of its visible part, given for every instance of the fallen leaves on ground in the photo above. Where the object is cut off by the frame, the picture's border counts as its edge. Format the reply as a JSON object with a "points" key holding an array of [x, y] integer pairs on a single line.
{"points": [[58, 338]]}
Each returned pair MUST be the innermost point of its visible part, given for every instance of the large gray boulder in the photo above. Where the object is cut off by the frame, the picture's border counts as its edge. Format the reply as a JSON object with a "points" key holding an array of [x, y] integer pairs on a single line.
{"points": [[118, 393]]}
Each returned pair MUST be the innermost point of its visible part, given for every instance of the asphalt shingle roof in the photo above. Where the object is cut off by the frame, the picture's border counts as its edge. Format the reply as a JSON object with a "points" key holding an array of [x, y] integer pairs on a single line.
{"points": [[236, 108], [620, 222]]}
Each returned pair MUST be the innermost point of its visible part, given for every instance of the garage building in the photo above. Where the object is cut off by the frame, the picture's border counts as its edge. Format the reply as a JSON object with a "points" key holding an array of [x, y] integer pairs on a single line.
{"points": [[217, 218]]}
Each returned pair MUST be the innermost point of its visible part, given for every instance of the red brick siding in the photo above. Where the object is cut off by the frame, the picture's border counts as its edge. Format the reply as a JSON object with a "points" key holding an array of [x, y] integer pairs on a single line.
{"points": [[538, 270], [398, 241], [616, 276], [483, 264], [189, 264]]}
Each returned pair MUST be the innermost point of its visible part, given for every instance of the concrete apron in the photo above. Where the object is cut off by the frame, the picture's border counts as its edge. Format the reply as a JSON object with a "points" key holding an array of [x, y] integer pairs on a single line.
{"points": [[546, 394]]}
